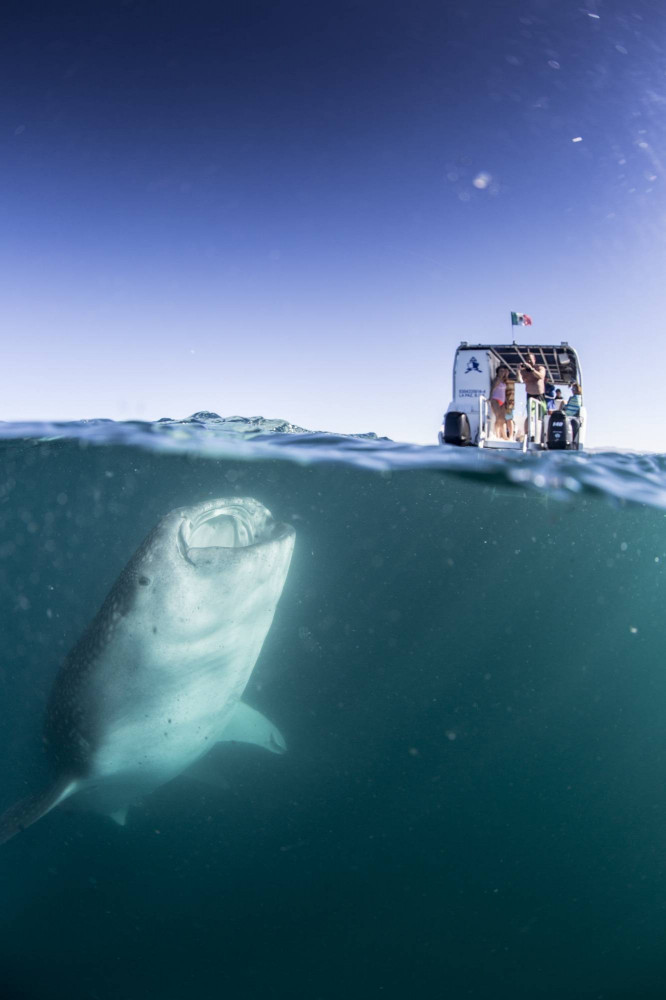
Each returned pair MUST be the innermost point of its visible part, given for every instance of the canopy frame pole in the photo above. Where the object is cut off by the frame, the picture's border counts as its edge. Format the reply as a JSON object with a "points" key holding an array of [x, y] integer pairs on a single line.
{"points": [[506, 364]]}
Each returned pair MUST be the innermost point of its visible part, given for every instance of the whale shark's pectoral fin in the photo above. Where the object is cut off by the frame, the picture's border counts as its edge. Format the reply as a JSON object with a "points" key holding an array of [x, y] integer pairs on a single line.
{"points": [[120, 816], [246, 726], [27, 811], [249, 726]]}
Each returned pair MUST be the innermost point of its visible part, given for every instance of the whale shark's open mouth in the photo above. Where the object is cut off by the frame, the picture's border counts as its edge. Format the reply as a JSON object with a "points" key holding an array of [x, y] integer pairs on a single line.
{"points": [[226, 524], [227, 527]]}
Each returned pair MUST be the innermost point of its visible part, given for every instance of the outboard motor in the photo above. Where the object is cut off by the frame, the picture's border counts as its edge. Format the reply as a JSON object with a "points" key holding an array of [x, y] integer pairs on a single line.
{"points": [[456, 428], [560, 431]]}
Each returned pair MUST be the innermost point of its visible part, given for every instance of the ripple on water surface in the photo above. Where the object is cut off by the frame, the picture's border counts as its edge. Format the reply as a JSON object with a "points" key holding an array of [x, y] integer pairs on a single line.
{"points": [[630, 476]]}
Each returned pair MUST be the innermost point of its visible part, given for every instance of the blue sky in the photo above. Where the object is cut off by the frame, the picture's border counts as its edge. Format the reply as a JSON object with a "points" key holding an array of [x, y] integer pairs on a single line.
{"points": [[298, 210]]}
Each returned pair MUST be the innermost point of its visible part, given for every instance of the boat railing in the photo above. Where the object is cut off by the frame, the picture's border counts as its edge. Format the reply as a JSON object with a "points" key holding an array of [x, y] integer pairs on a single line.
{"points": [[483, 419], [534, 422]]}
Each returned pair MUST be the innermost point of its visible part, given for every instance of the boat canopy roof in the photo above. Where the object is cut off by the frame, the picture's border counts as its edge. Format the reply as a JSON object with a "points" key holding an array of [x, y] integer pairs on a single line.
{"points": [[560, 360]]}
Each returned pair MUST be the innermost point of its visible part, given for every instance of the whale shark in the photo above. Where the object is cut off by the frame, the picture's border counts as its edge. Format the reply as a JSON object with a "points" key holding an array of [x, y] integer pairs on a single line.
{"points": [[156, 680]]}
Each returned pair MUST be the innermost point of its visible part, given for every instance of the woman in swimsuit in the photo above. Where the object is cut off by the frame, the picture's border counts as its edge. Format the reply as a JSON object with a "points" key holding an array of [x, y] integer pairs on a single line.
{"points": [[498, 400]]}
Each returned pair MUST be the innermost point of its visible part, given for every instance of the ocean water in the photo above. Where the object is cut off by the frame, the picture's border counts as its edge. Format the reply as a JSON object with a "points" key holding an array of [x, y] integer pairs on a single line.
{"points": [[467, 663]]}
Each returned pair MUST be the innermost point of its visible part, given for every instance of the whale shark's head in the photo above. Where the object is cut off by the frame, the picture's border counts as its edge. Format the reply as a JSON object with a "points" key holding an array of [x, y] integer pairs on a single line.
{"points": [[217, 565]]}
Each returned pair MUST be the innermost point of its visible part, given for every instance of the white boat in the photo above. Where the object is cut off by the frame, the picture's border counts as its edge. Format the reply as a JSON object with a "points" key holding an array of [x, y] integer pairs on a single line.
{"points": [[537, 424]]}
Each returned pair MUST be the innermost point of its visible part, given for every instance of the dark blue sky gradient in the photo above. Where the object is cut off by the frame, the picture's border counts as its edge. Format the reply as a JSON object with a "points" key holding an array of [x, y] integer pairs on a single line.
{"points": [[287, 190]]}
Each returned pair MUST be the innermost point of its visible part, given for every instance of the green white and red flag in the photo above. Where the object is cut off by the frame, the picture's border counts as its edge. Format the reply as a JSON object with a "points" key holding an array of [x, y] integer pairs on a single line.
{"points": [[520, 319]]}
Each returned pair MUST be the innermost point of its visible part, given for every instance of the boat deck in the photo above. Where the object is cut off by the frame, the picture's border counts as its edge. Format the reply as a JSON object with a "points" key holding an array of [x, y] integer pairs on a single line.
{"points": [[503, 445]]}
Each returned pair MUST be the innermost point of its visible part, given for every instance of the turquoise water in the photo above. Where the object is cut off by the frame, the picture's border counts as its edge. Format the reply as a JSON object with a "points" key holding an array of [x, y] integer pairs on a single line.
{"points": [[467, 664]]}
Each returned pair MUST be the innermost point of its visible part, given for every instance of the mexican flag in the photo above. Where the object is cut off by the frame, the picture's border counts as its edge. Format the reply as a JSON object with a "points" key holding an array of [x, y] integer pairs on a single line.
{"points": [[520, 319]]}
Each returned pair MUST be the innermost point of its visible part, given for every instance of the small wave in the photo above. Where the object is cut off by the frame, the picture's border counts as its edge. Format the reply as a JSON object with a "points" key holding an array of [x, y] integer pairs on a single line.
{"points": [[624, 476]]}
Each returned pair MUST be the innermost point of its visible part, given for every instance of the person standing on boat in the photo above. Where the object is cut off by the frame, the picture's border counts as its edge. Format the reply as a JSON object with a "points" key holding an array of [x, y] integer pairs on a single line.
{"points": [[498, 400], [534, 377]]}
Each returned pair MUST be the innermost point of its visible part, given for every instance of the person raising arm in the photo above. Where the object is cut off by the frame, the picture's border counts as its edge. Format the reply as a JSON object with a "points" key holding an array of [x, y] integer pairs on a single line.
{"points": [[534, 377]]}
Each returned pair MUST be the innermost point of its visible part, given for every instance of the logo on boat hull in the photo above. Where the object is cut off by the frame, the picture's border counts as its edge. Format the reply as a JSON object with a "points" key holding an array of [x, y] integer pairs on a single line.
{"points": [[473, 366]]}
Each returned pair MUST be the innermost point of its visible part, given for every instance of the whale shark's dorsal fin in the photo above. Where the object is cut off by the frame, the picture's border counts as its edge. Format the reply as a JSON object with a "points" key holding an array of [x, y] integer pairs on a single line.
{"points": [[249, 726], [27, 811]]}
